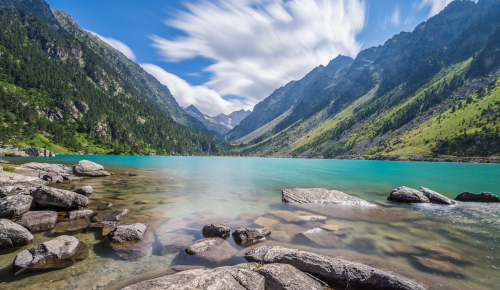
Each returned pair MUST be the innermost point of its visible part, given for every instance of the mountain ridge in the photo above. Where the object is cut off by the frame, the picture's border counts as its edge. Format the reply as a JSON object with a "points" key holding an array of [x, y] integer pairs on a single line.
{"points": [[221, 123]]}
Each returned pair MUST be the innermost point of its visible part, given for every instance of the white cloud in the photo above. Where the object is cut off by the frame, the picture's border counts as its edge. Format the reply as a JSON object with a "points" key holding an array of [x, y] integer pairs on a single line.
{"points": [[394, 19], [259, 45], [120, 46], [436, 5], [206, 100]]}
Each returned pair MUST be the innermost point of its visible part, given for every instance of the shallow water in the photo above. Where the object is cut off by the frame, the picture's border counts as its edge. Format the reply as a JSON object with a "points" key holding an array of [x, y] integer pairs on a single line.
{"points": [[440, 247]]}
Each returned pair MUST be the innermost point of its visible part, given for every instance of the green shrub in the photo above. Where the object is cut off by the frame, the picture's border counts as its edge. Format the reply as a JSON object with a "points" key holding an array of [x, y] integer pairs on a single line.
{"points": [[7, 168]]}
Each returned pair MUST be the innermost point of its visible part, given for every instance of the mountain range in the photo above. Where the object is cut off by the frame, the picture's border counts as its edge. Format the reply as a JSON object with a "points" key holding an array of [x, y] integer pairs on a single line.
{"points": [[221, 123]]}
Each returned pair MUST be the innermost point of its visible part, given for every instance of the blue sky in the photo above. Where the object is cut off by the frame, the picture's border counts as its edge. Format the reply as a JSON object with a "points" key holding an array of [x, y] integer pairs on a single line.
{"points": [[226, 55]]}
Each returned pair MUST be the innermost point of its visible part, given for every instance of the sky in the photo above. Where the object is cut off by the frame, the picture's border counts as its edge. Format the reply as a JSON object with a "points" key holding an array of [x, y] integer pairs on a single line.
{"points": [[227, 55]]}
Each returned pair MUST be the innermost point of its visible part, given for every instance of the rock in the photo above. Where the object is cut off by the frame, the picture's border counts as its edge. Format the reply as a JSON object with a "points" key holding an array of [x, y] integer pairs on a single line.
{"points": [[132, 174], [248, 216], [36, 167], [49, 196], [203, 245], [265, 222], [14, 205], [133, 250], [51, 177], [4, 161], [71, 177], [480, 197], [435, 197], [406, 194], [283, 215], [281, 236], [319, 237], [104, 205], [234, 278], [78, 214], [322, 196], [107, 226], [13, 235], [215, 230], [171, 243], [86, 190], [218, 219], [88, 168], [74, 226], [127, 233], [39, 152], [211, 251], [310, 218], [37, 221], [110, 215], [330, 270], [60, 252], [248, 236], [286, 277]]}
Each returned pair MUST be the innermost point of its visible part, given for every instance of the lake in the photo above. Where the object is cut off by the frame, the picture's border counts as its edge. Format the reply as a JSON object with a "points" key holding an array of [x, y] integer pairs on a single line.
{"points": [[438, 246]]}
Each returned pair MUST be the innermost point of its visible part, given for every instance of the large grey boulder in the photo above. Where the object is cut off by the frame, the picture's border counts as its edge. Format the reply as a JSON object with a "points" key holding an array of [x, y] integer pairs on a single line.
{"points": [[37, 221], [286, 277], [332, 271], [13, 235], [86, 190], [409, 195], [223, 278], [89, 168], [435, 197], [215, 230], [248, 236], [60, 252], [320, 196], [14, 205], [480, 197], [127, 233], [45, 196]]}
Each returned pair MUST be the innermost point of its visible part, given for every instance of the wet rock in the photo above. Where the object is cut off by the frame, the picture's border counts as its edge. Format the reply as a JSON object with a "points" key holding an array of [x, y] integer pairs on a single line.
{"points": [[203, 245], [60, 252], [248, 216], [436, 266], [321, 196], [286, 277], [234, 278], [132, 174], [480, 197], [127, 233], [104, 205], [171, 243], [74, 226], [211, 251], [134, 250], [406, 194], [110, 215], [86, 190], [78, 214], [265, 222], [215, 230], [89, 168], [248, 236], [330, 270], [13, 235], [51, 177], [106, 226], [45, 196], [319, 237], [14, 205], [219, 219], [281, 236], [37, 221], [71, 177], [310, 218], [436, 197], [283, 215]]}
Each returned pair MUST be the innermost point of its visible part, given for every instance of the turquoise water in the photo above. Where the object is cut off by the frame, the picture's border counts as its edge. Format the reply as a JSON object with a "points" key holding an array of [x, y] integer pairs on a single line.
{"points": [[441, 247]]}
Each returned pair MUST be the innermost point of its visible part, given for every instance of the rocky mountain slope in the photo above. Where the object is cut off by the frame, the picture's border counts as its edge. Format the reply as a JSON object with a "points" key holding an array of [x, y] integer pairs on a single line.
{"points": [[221, 123], [423, 93]]}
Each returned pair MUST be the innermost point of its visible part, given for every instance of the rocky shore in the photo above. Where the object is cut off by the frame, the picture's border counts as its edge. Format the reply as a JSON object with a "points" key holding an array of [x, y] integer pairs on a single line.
{"points": [[421, 158], [11, 150]]}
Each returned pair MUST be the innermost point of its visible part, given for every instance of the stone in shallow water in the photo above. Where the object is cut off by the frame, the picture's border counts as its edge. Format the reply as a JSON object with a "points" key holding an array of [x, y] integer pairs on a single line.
{"points": [[435, 197], [436, 266], [265, 222], [171, 243], [37, 221], [319, 237], [283, 215], [110, 215], [248, 216], [171, 200], [57, 253], [212, 251], [45, 196], [74, 226], [107, 226], [290, 229], [248, 236], [86, 190], [134, 250], [286, 277], [480, 197], [88, 168], [78, 214], [215, 230], [13, 235], [310, 218], [127, 233], [281, 236], [320, 196], [409, 195], [14, 205]]}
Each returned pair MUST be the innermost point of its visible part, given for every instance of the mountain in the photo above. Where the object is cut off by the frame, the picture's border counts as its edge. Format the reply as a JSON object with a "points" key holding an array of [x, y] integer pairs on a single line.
{"points": [[58, 93], [221, 123], [426, 93]]}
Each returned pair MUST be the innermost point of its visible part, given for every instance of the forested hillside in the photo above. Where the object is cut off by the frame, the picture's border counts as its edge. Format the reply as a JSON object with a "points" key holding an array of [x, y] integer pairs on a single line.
{"points": [[58, 93]]}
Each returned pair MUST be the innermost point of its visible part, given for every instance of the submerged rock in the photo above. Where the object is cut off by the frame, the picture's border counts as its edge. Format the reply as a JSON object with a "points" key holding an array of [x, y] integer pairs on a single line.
{"points": [[127, 233], [78, 214], [319, 237], [171, 243], [436, 197], [406, 194], [51, 177], [333, 271], [211, 250], [86, 190], [320, 196], [37, 221], [110, 215], [480, 197], [71, 177], [134, 249], [106, 226], [287, 277], [13, 235], [89, 168], [14, 205], [48, 196], [215, 230], [73, 226], [248, 236], [60, 252], [203, 245]]}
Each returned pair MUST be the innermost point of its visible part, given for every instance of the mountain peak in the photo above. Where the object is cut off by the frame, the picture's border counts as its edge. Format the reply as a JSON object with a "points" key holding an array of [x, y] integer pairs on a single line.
{"points": [[38, 8]]}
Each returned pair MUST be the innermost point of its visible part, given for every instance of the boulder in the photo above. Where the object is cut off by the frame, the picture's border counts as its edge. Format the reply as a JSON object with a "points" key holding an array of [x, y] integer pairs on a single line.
{"points": [[333, 271], [235, 278], [406, 194], [86, 190], [14, 205], [45, 196], [78, 214], [215, 230], [127, 233], [171, 243], [480, 197], [319, 237], [89, 168], [435, 197], [60, 252], [248, 236], [110, 215], [37, 221], [286, 277], [72, 227], [13, 235], [320, 196], [212, 251]]}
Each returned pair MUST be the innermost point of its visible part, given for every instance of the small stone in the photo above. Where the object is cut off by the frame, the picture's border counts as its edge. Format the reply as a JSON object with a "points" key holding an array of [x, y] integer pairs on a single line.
{"points": [[127, 233], [49, 197], [86, 190], [88, 168], [172, 200], [248, 236], [212, 251], [310, 218], [141, 202], [281, 236], [216, 230], [77, 214]]}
